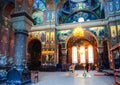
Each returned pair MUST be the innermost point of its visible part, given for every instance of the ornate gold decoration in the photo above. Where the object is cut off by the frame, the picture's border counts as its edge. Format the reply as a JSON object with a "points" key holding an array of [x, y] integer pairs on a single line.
{"points": [[78, 32]]}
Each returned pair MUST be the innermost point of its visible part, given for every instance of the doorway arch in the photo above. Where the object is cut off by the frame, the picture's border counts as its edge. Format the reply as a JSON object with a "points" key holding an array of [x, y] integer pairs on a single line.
{"points": [[88, 39], [34, 51]]}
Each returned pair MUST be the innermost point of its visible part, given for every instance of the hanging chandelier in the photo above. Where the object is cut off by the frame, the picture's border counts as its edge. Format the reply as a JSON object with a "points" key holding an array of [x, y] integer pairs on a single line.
{"points": [[78, 32]]}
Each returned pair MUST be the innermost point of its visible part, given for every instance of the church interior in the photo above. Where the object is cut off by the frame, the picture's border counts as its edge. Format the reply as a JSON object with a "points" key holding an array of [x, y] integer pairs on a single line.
{"points": [[50, 35]]}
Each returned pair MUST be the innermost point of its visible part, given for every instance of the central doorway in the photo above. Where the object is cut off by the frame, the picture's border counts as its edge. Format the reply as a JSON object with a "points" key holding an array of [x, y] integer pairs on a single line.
{"points": [[34, 51]]}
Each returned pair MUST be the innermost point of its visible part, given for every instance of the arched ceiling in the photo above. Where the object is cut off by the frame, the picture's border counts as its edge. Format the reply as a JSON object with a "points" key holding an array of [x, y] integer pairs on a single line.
{"points": [[72, 10], [66, 9]]}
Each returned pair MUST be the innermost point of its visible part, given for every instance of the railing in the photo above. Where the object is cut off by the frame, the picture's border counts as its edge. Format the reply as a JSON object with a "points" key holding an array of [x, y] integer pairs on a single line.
{"points": [[116, 82]]}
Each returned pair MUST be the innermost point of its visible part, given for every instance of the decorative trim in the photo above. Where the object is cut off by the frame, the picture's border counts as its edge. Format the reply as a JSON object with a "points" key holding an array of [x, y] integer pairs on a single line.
{"points": [[21, 32], [22, 14]]}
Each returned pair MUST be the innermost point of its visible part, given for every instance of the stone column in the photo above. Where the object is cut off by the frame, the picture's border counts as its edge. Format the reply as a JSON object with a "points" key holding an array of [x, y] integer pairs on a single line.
{"points": [[20, 47], [22, 22]]}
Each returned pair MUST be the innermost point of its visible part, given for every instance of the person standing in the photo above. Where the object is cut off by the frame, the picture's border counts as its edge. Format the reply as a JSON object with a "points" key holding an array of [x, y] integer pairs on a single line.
{"points": [[87, 67], [72, 68]]}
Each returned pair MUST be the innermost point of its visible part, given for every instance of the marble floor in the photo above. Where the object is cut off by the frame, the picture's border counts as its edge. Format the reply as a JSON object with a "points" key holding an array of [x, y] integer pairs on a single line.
{"points": [[64, 78]]}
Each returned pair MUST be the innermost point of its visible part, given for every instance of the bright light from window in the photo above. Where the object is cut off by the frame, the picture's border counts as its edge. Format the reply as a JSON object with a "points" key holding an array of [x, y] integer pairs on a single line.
{"points": [[74, 55], [90, 54], [82, 54], [81, 19]]}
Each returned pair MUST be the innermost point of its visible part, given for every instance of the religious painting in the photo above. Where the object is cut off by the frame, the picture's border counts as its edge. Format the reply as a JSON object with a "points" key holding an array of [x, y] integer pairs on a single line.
{"points": [[53, 16], [38, 17], [113, 31], [47, 36], [42, 36], [63, 35], [38, 34], [97, 31], [52, 36], [80, 6], [48, 15], [110, 6], [39, 4], [117, 4], [85, 16], [118, 27]]}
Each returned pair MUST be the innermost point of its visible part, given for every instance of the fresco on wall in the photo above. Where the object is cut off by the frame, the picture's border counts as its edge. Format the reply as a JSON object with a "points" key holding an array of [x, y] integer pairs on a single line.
{"points": [[56, 2], [41, 14], [118, 29], [39, 4], [50, 16], [38, 17], [97, 31], [47, 36], [113, 31], [110, 6], [38, 34], [52, 36], [39, 8], [63, 35], [117, 2]]}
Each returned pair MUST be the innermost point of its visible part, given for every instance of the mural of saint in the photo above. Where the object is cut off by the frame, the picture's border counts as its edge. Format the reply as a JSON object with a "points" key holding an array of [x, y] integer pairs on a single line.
{"points": [[118, 29], [47, 36], [113, 31], [52, 36], [111, 6], [42, 36], [117, 5]]}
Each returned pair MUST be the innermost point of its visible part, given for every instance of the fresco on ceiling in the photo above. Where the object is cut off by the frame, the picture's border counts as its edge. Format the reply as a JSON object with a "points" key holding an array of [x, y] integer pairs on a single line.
{"points": [[78, 6], [81, 5], [70, 11], [86, 16], [63, 35], [97, 31], [39, 35]]}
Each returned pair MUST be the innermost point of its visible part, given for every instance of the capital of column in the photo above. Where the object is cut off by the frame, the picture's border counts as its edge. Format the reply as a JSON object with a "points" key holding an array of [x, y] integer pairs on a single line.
{"points": [[22, 21]]}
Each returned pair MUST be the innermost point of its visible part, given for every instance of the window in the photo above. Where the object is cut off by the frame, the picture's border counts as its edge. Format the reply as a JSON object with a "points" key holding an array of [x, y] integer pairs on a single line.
{"points": [[90, 54], [74, 55], [82, 54]]}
